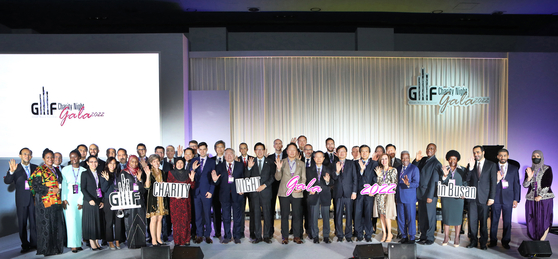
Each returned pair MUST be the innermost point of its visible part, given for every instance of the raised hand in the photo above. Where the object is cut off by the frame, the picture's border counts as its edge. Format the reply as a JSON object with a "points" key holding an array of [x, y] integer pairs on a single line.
{"points": [[338, 167], [499, 176], [105, 175], [278, 164], [180, 151], [445, 169], [471, 163], [362, 167], [195, 165], [419, 156], [293, 140], [530, 173], [215, 176], [378, 171], [375, 156], [251, 162], [192, 175], [406, 180], [326, 177], [147, 170], [13, 165]]}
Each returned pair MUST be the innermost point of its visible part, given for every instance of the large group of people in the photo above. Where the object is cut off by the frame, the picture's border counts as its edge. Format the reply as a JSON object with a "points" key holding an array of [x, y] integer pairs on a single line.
{"points": [[68, 205]]}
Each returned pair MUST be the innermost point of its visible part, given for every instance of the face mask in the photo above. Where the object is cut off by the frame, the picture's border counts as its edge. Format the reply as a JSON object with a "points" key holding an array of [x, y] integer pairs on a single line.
{"points": [[536, 160]]}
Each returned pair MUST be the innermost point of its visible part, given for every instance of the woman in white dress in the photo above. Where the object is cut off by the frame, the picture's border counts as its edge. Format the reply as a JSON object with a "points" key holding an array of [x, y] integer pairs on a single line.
{"points": [[72, 200]]}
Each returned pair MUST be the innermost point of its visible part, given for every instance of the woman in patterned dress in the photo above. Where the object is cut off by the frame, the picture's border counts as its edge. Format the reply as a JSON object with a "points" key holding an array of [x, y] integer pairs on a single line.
{"points": [[385, 203], [181, 207], [157, 207]]}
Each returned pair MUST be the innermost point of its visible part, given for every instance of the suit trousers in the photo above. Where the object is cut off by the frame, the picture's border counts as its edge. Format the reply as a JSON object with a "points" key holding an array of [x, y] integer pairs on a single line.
{"points": [[314, 215], [260, 203], [406, 225], [344, 205], [364, 205], [237, 216], [478, 212], [23, 214], [506, 211], [217, 215], [203, 216], [286, 203], [427, 219]]}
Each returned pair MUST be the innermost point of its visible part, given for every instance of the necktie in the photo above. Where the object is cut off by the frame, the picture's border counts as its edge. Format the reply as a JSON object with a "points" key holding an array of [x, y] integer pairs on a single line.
{"points": [[27, 171], [331, 157], [478, 169], [219, 160], [342, 166], [319, 174], [307, 162], [502, 170], [244, 161], [403, 172], [260, 165], [230, 169], [201, 164]]}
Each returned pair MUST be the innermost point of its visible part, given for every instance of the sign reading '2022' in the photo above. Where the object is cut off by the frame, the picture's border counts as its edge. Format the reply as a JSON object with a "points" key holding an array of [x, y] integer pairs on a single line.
{"points": [[445, 96]]}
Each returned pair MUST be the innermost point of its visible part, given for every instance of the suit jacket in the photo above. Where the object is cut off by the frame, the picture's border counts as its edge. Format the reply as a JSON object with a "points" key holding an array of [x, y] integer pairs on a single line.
{"points": [[329, 163], [89, 187], [203, 179], [171, 164], [325, 195], [405, 194], [23, 197], [267, 175], [367, 177], [397, 163], [430, 173], [486, 185], [346, 181], [284, 176], [312, 163], [247, 158], [100, 166], [513, 192], [166, 167], [226, 188]]}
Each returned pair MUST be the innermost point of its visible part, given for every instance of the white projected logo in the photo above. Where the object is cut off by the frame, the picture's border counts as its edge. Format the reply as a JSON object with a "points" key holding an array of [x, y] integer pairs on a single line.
{"points": [[425, 94]]}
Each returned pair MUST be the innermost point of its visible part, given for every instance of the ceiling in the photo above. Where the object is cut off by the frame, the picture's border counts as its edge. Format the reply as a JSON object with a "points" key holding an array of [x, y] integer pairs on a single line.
{"points": [[506, 17]]}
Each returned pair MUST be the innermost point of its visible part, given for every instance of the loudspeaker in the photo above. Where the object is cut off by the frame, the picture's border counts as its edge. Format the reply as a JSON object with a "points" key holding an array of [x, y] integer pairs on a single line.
{"points": [[187, 252], [372, 251], [535, 249], [402, 251], [155, 252]]}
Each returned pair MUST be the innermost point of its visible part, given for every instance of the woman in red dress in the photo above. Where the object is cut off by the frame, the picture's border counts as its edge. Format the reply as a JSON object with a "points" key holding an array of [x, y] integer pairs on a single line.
{"points": [[181, 207]]}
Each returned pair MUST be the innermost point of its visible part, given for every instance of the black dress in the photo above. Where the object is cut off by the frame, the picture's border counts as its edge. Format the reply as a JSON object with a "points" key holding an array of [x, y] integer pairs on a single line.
{"points": [[134, 219], [91, 223]]}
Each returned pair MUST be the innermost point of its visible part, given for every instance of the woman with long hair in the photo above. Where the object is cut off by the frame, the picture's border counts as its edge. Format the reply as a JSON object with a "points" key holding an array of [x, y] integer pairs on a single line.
{"points": [[92, 204], [45, 186], [157, 207], [108, 180], [385, 203], [72, 200]]}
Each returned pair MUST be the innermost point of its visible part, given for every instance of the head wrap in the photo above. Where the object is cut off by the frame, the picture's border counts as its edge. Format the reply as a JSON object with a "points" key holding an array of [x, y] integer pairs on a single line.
{"points": [[540, 165], [132, 171]]}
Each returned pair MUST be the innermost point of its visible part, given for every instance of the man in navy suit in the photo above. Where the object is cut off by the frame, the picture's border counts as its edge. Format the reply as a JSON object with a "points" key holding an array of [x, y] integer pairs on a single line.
{"points": [[308, 159], [244, 157], [508, 195], [330, 160], [364, 203], [406, 198], [261, 199], [482, 174], [345, 193], [279, 153], [225, 176], [18, 174], [203, 193], [319, 201], [430, 170]]}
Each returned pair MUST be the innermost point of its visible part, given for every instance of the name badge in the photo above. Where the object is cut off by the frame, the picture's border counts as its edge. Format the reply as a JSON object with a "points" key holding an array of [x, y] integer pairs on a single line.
{"points": [[136, 187], [452, 181], [75, 188], [505, 184], [231, 179], [99, 193], [27, 185]]}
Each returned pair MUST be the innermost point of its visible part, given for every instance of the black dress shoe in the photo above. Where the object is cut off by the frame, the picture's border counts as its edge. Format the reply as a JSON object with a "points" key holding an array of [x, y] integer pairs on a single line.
{"points": [[506, 246], [472, 245], [428, 242], [316, 240], [368, 239], [491, 244], [216, 236], [421, 242], [267, 240], [483, 247], [403, 241], [350, 239], [359, 239], [326, 240], [340, 239], [237, 240], [226, 241], [257, 240], [208, 240], [80, 248], [398, 236], [74, 251], [310, 237], [25, 250]]}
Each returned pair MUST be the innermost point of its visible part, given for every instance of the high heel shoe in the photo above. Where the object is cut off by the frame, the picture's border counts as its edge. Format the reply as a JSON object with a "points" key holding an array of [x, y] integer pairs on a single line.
{"points": [[389, 239]]}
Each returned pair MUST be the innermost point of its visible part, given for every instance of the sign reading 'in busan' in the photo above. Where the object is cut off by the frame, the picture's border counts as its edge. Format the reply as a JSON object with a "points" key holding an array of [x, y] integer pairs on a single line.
{"points": [[444, 96]]}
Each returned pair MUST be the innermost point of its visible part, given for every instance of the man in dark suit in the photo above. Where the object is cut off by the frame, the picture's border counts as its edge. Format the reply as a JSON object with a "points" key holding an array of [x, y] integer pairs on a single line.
{"points": [[329, 161], [171, 159], [308, 160], [18, 174], [165, 167], [58, 161], [508, 195], [345, 193], [226, 174], [364, 204], [122, 156], [203, 193], [319, 175], [261, 199], [430, 170], [94, 151], [391, 151], [279, 153], [244, 157], [141, 149], [111, 152], [408, 176], [219, 148], [483, 175], [301, 142], [193, 144]]}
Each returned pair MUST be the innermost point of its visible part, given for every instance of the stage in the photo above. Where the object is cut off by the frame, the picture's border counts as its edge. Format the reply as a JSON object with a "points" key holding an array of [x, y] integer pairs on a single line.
{"points": [[10, 247]]}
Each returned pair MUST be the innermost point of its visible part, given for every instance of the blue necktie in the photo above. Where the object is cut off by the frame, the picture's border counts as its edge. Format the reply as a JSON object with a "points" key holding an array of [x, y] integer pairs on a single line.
{"points": [[27, 171]]}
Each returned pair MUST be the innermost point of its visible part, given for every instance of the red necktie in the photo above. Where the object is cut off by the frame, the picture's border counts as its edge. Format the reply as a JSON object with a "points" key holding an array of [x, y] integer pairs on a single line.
{"points": [[244, 161]]}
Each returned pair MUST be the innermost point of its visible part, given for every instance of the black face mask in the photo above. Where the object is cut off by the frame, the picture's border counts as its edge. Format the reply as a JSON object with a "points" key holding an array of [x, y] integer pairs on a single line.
{"points": [[536, 161]]}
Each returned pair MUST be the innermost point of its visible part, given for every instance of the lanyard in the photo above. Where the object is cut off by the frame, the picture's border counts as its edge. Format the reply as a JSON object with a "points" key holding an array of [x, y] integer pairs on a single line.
{"points": [[75, 175], [292, 166]]}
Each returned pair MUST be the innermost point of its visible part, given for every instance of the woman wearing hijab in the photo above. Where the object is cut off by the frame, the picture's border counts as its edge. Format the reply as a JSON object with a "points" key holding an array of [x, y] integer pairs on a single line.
{"points": [[132, 179], [181, 207], [157, 207], [452, 208], [108, 180], [539, 204], [72, 200], [51, 230], [384, 205], [92, 204]]}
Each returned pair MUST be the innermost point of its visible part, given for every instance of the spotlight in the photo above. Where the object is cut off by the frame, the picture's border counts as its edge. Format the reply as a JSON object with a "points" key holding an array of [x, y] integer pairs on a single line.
{"points": [[253, 9]]}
